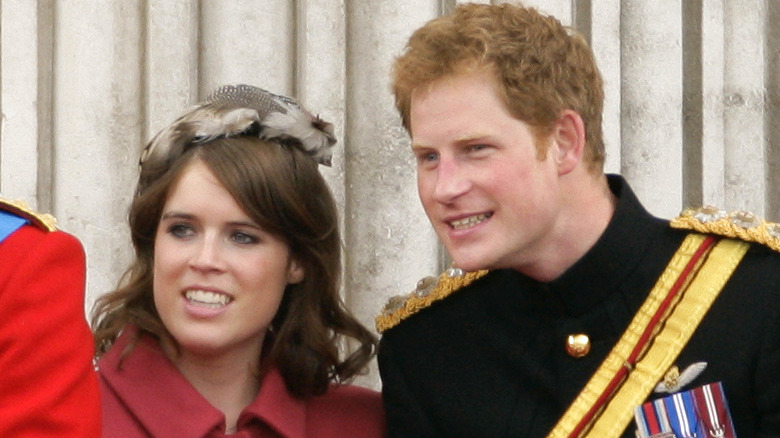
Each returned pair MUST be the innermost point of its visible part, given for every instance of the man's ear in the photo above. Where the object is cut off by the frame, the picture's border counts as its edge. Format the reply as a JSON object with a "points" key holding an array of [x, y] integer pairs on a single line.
{"points": [[568, 140]]}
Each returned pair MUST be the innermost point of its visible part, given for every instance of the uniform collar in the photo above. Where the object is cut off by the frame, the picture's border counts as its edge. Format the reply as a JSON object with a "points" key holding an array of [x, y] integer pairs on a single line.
{"points": [[615, 255], [151, 388]]}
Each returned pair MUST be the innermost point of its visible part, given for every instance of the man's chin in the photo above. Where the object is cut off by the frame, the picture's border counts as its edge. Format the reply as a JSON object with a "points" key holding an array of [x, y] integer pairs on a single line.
{"points": [[469, 263]]}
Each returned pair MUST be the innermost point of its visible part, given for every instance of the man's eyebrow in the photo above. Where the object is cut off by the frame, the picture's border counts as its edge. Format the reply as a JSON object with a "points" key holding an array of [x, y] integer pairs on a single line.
{"points": [[467, 138]]}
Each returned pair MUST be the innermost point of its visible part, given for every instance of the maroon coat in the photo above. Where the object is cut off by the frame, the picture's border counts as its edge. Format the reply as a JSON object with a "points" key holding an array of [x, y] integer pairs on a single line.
{"points": [[48, 386], [148, 396]]}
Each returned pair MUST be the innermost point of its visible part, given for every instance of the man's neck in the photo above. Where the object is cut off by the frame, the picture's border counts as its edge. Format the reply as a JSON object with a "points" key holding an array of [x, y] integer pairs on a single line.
{"points": [[590, 205]]}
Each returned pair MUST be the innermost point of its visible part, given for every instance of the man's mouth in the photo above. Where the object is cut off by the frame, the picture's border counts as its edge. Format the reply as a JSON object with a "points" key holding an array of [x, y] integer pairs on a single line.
{"points": [[468, 222], [208, 299]]}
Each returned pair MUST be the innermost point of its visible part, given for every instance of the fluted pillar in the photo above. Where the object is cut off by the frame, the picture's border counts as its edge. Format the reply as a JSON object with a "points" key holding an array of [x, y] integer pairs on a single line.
{"points": [[651, 93], [389, 241], [97, 128]]}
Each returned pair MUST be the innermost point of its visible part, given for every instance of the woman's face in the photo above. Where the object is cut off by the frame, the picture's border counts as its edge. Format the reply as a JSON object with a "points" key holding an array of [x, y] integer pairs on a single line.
{"points": [[218, 277]]}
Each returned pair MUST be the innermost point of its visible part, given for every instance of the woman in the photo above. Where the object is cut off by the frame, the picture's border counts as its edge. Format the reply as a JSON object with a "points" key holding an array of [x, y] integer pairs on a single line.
{"points": [[229, 320]]}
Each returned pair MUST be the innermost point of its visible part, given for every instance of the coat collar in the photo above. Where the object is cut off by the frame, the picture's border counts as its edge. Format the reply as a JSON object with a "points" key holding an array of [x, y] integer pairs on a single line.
{"points": [[150, 386], [277, 408]]}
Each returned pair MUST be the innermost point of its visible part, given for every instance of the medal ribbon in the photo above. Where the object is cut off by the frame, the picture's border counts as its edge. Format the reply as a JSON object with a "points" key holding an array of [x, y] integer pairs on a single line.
{"points": [[713, 410], [675, 414]]}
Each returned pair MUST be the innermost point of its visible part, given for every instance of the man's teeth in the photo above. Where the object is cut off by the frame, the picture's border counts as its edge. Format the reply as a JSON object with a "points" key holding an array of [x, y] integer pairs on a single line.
{"points": [[469, 221], [206, 298]]}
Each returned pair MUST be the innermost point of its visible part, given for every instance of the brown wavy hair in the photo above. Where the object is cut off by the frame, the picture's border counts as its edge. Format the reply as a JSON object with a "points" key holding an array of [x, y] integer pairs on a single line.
{"points": [[541, 67], [280, 188]]}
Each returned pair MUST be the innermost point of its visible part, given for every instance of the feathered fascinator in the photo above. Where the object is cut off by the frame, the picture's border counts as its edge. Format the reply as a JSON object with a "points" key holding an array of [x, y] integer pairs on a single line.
{"points": [[238, 110]]}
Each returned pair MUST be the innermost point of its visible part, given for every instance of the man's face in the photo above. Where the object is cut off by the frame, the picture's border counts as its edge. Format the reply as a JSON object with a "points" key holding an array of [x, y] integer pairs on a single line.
{"points": [[492, 201]]}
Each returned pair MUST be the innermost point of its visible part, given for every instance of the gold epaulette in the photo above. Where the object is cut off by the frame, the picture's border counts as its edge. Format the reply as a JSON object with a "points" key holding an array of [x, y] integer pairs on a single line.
{"points": [[741, 225], [428, 291], [44, 221]]}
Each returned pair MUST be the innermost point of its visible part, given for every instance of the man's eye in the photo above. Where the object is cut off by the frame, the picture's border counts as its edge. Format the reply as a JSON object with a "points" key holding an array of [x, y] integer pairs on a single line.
{"points": [[427, 157], [244, 238], [181, 231]]}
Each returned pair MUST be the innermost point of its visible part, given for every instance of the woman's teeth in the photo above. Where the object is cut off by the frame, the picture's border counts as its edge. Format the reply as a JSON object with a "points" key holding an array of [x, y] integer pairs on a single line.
{"points": [[206, 298]]}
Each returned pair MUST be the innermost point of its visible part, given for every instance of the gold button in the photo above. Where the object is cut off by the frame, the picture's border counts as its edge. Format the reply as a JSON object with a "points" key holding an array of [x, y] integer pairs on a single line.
{"points": [[578, 345]]}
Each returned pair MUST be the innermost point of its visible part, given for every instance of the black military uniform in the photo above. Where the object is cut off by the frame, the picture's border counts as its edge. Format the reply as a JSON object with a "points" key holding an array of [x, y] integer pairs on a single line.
{"points": [[490, 360]]}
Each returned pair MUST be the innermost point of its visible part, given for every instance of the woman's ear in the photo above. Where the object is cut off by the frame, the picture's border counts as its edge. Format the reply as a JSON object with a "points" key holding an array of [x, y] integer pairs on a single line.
{"points": [[295, 272], [568, 140]]}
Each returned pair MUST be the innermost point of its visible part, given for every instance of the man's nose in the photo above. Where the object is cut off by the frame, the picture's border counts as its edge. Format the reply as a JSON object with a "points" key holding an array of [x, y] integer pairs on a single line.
{"points": [[451, 181]]}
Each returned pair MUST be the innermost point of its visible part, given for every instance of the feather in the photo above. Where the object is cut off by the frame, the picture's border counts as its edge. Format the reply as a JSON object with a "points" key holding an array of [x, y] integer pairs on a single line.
{"points": [[224, 124], [280, 118], [315, 136]]}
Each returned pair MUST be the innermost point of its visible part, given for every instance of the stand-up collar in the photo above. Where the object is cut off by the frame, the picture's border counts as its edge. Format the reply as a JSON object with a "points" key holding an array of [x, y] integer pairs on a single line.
{"points": [[613, 257]]}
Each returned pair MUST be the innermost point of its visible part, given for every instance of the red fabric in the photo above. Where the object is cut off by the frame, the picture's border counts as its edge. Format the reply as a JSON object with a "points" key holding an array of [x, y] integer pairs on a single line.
{"points": [[148, 396], [48, 385]]}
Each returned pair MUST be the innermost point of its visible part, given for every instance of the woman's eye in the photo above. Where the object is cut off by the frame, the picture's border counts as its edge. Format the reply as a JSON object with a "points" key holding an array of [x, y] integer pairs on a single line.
{"points": [[181, 231], [244, 238]]}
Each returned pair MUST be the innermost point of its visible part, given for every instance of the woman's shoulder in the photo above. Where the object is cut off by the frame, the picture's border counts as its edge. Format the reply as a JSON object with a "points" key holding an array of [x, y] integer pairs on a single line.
{"points": [[352, 394], [347, 410], [348, 397]]}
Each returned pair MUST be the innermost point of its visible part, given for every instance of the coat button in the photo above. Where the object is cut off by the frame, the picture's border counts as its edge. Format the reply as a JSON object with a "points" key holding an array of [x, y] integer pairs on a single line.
{"points": [[578, 345]]}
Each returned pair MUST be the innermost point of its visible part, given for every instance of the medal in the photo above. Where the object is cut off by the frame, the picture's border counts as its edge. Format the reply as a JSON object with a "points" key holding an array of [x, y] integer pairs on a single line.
{"points": [[700, 412]]}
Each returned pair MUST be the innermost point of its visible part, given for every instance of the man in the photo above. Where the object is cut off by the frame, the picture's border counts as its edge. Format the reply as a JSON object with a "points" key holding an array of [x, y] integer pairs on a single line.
{"points": [[570, 305], [48, 386]]}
